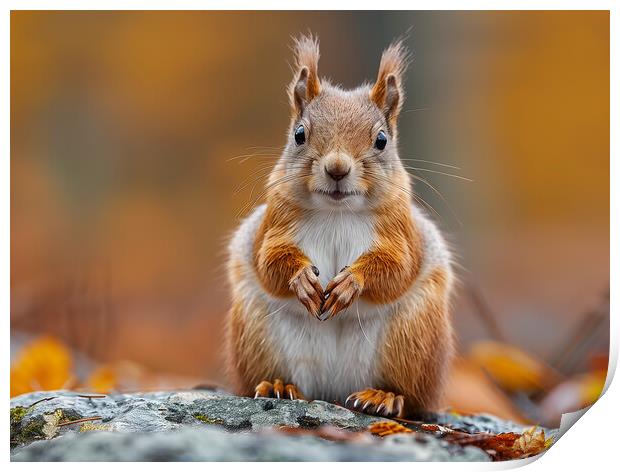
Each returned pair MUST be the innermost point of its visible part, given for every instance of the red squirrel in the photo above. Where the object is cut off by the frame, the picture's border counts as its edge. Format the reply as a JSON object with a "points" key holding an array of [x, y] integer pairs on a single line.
{"points": [[340, 283]]}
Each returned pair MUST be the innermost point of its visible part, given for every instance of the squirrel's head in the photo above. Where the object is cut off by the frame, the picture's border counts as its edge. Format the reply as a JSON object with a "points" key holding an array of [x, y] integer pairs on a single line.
{"points": [[341, 149]]}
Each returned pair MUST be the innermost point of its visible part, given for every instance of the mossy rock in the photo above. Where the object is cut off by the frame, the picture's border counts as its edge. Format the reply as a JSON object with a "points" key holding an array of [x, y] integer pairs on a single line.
{"points": [[26, 426], [212, 425]]}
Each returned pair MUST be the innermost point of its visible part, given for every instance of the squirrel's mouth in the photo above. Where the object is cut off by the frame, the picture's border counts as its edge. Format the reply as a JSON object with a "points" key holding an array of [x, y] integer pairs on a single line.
{"points": [[337, 194]]}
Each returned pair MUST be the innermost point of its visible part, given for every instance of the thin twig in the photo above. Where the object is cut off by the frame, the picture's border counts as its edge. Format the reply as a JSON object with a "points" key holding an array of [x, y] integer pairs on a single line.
{"points": [[485, 313], [567, 358], [41, 401], [82, 420], [403, 420]]}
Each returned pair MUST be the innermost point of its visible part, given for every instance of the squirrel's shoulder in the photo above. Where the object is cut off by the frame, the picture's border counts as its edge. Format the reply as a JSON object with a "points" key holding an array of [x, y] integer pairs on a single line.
{"points": [[242, 242], [436, 252]]}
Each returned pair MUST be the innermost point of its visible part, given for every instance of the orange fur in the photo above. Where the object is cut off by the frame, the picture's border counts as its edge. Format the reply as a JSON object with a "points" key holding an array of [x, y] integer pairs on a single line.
{"points": [[391, 266], [250, 358], [417, 349], [306, 84], [387, 92], [276, 258]]}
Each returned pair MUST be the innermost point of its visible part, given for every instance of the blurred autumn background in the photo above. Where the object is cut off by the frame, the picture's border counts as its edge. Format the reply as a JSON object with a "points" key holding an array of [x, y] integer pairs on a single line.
{"points": [[123, 191]]}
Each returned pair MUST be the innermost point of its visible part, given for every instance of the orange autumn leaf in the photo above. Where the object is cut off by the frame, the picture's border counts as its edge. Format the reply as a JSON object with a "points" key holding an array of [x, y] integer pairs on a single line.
{"points": [[42, 364], [387, 428], [470, 390], [531, 442], [592, 385], [514, 369], [103, 380], [502, 446]]}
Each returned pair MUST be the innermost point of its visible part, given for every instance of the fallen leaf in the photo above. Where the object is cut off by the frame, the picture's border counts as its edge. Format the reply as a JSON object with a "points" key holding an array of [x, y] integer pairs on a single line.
{"points": [[512, 368], [103, 380], [50, 428], [387, 428], [43, 364], [503, 446], [471, 391], [530, 442], [436, 428]]}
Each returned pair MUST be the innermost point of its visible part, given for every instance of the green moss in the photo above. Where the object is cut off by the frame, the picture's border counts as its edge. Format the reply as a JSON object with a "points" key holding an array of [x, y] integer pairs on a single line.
{"points": [[206, 419], [69, 415], [28, 432], [32, 429], [17, 414]]}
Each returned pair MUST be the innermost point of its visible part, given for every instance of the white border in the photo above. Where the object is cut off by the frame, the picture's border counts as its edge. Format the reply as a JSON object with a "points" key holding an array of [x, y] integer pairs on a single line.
{"points": [[591, 444]]}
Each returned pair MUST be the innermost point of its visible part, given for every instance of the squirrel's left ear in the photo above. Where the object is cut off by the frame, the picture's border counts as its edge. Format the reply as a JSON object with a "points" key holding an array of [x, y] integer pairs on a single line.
{"points": [[387, 93], [305, 85]]}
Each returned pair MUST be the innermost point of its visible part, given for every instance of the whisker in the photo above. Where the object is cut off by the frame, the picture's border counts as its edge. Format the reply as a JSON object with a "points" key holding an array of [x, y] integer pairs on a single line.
{"points": [[439, 172], [266, 147], [264, 172], [421, 179], [359, 320], [420, 200], [245, 157], [348, 206], [408, 192], [450, 166], [280, 181], [416, 109], [277, 311]]}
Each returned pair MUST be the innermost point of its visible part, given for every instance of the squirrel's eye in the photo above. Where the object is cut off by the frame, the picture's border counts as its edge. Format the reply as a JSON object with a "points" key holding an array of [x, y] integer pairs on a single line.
{"points": [[300, 135], [381, 141]]}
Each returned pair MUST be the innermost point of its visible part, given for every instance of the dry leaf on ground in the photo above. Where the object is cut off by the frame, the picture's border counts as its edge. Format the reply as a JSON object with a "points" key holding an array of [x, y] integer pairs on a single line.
{"points": [[503, 446]]}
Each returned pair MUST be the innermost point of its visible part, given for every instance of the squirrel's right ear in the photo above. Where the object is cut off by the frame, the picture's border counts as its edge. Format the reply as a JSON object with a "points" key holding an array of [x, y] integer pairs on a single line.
{"points": [[305, 85], [387, 93]]}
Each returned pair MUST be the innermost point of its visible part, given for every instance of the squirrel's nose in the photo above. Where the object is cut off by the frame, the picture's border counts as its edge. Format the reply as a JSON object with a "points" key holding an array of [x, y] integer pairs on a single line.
{"points": [[337, 172]]}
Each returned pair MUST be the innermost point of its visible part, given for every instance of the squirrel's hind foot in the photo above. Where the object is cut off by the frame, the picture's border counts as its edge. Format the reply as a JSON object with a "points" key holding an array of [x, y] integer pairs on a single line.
{"points": [[376, 402], [277, 389]]}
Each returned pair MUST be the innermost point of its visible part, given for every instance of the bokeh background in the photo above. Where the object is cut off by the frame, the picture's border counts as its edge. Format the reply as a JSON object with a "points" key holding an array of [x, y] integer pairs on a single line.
{"points": [[124, 190]]}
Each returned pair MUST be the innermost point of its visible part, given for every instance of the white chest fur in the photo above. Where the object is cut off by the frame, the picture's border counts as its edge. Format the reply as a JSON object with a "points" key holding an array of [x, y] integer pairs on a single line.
{"points": [[330, 360], [335, 239]]}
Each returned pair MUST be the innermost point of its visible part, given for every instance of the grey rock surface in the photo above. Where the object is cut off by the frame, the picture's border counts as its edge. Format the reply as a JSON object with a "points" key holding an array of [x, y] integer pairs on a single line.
{"points": [[207, 425]]}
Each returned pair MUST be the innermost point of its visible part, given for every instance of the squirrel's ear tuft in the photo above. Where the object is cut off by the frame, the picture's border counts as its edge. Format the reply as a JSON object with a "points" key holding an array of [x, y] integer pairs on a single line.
{"points": [[305, 85], [387, 93]]}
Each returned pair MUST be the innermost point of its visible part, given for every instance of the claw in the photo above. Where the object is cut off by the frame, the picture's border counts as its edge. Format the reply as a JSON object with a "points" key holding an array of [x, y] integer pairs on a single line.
{"points": [[256, 395], [377, 402]]}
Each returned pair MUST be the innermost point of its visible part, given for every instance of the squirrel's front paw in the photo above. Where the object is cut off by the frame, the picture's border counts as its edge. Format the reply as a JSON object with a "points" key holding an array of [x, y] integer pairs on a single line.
{"points": [[341, 291], [306, 286]]}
